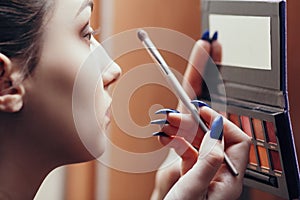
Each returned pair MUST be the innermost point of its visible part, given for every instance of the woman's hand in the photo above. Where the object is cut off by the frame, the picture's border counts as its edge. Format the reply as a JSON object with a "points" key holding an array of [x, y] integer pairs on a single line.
{"points": [[203, 174], [200, 176]]}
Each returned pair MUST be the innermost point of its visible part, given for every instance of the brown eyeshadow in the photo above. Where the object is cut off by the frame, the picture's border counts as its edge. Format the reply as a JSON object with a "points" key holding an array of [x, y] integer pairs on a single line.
{"points": [[276, 160], [235, 119], [271, 133], [263, 157], [258, 129], [252, 156], [246, 125]]}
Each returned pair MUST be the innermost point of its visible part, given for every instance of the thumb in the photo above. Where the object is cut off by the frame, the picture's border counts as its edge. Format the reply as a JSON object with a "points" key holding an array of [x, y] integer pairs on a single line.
{"points": [[194, 184], [211, 153]]}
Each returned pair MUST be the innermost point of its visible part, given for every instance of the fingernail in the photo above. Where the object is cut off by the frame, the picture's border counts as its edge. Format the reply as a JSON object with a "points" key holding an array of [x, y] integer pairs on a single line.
{"points": [[162, 134], [159, 121], [166, 111], [216, 131], [205, 36], [215, 36], [199, 103]]}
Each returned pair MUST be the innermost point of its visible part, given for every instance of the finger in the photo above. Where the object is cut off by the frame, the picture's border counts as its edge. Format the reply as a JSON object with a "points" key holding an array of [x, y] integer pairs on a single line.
{"points": [[184, 149], [184, 126], [197, 180], [181, 125], [237, 143], [216, 49], [182, 121], [187, 123], [232, 133], [194, 137], [192, 78]]}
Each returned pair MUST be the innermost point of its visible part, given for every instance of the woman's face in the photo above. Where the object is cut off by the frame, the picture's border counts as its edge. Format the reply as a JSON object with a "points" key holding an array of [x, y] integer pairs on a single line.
{"points": [[49, 101]]}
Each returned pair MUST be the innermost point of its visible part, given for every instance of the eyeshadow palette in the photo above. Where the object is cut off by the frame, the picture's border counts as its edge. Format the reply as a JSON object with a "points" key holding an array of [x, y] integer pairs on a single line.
{"points": [[265, 161], [254, 96]]}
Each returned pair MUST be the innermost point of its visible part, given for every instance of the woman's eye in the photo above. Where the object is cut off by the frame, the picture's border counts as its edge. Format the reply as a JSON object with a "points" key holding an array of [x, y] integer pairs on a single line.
{"points": [[88, 35], [87, 32]]}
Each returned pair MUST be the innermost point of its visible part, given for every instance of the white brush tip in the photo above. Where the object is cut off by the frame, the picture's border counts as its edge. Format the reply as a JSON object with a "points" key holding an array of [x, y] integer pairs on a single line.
{"points": [[142, 35]]}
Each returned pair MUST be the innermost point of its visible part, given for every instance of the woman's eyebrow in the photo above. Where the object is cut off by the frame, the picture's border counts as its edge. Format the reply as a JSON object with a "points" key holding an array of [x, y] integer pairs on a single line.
{"points": [[85, 4]]}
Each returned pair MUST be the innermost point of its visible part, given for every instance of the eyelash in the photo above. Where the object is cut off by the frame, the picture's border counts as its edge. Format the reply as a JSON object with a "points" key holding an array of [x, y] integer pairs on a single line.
{"points": [[89, 35], [88, 32]]}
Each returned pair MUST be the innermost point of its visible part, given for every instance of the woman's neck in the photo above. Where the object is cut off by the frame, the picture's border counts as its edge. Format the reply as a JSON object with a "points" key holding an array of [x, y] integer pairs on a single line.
{"points": [[22, 170]]}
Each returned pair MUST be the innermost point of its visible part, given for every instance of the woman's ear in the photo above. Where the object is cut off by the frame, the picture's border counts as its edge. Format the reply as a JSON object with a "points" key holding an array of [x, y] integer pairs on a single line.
{"points": [[11, 89]]}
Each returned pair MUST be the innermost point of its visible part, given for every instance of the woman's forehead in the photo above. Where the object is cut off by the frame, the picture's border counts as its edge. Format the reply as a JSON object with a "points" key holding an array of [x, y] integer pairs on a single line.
{"points": [[70, 9]]}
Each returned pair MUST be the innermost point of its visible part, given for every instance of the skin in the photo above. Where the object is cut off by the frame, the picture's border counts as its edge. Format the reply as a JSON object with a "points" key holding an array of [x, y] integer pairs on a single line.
{"points": [[38, 132]]}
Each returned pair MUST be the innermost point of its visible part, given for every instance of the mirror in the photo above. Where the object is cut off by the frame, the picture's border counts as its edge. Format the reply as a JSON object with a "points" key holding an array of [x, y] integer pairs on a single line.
{"points": [[251, 34]]}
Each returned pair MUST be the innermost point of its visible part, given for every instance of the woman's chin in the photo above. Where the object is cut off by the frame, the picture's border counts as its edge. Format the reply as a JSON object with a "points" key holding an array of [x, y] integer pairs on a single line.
{"points": [[107, 122]]}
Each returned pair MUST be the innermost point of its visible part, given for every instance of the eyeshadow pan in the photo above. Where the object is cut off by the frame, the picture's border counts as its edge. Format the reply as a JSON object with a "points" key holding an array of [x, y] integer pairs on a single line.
{"points": [[252, 156], [271, 132], [235, 119], [263, 157], [258, 129], [276, 160], [246, 125]]}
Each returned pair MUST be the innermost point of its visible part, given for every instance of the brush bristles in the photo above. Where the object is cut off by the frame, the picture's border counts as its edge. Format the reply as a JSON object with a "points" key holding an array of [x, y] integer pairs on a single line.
{"points": [[142, 35]]}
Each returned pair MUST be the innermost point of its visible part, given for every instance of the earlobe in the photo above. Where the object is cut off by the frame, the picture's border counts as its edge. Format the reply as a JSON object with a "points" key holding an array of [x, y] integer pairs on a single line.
{"points": [[11, 90]]}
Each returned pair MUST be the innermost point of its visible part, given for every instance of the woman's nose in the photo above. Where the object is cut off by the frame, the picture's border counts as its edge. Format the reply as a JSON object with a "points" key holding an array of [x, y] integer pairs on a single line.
{"points": [[94, 43], [113, 70], [111, 74]]}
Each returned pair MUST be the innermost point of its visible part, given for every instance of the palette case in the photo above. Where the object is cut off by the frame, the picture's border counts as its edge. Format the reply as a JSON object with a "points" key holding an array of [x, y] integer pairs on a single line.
{"points": [[255, 98]]}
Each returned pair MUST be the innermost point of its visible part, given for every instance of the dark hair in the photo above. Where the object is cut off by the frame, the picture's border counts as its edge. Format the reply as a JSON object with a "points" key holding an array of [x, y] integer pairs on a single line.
{"points": [[21, 26]]}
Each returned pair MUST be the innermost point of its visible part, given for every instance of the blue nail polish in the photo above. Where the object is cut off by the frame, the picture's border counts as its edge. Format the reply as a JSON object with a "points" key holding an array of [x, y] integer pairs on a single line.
{"points": [[215, 36], [216, 131], [166, 111], [205, 36], [159, 121], [162, 134], [199, 103]]}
